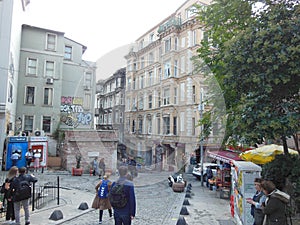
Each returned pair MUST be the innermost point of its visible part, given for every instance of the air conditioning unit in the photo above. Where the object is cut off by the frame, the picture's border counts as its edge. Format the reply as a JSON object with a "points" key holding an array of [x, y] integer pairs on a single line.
{"points": [[86, 87], [39, 133], [49, 81]]}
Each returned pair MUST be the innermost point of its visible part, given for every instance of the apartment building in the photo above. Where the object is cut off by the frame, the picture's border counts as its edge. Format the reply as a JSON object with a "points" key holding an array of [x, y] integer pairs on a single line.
{"points": [[110, 106], [11, 14], [162, 95], [56, 88]]}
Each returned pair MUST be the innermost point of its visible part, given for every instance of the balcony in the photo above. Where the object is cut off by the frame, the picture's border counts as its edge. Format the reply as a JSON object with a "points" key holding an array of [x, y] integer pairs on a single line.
{"points": [[174, 21]]}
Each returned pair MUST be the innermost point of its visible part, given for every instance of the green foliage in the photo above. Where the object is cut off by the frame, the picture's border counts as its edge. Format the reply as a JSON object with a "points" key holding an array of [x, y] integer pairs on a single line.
{"points": [[255, 57]]}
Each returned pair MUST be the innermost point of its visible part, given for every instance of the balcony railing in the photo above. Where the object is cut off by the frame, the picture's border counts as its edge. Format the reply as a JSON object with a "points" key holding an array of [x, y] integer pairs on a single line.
{"points": [[174, 21]]}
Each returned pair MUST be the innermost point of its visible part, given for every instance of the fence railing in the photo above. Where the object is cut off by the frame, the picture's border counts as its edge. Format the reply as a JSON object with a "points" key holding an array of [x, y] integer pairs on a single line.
{"points": [[41, 196]]}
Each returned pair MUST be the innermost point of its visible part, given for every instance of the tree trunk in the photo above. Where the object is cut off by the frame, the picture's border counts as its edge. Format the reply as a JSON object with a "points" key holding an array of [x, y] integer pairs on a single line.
{"points": [[285, 146], [295, 137]]}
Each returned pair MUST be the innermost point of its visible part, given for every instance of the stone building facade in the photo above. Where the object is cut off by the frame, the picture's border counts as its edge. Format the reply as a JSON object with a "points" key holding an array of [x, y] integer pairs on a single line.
{"points": [[163, 92]]}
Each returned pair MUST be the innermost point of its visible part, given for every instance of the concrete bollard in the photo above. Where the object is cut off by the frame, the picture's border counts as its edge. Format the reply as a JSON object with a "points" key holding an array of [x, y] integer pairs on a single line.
{"points": [[56, 215], [188, 195], [186, 202], [181, 221], [83, 206], [184, 211]]}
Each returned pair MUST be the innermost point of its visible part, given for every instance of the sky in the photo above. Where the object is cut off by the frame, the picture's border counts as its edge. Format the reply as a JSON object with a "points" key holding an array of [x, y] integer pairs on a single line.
{"points": [[104, 27]]}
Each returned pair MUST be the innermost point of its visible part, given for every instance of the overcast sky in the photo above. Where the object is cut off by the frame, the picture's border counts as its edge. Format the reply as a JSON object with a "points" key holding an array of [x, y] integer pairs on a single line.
{"points": [[100, 25]]}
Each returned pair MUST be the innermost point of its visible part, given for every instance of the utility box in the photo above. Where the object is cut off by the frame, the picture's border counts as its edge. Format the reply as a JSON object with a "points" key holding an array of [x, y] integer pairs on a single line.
{"points": [[242, 185]]}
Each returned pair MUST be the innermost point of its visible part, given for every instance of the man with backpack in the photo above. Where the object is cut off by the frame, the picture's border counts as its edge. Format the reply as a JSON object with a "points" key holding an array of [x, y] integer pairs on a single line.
{"points": [[122, 199], [21, 187]]}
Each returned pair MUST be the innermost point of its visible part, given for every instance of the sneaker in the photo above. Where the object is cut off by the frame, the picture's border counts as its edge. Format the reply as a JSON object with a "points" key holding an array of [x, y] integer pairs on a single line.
{"points": [[100, 222], [27, 223]]}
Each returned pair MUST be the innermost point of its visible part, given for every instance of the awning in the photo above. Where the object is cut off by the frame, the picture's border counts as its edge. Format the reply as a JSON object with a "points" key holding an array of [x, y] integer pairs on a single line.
{"points": [[225, 156]]}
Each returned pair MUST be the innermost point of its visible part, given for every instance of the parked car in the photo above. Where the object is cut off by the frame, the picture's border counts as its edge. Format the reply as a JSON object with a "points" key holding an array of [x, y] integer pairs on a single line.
{"points": [[197, 170]]}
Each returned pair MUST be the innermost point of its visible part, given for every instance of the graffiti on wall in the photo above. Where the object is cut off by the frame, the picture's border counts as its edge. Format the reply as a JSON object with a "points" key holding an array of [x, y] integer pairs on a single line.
{"points": [[72, 112]]}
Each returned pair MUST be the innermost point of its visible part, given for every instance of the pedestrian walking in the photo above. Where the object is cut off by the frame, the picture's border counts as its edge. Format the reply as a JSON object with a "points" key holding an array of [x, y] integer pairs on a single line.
{"points": [[21, 187], [122, 199], [101, 168], [29, 157], [275, 204], [37, 155], [101, 200], [256, 203], [7, 190], [95, 166]]}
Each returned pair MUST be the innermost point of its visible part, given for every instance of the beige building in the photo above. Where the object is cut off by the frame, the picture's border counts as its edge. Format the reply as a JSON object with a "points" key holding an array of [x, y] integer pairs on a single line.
{"points": [[162, 95]]}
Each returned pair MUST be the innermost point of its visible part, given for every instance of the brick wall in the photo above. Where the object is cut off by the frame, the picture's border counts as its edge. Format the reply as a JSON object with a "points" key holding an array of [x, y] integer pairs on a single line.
{"points": [[89, 144]]}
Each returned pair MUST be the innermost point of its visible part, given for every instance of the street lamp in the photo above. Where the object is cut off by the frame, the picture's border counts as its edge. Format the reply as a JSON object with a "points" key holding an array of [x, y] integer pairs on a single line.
{"points": [[201, 108]]}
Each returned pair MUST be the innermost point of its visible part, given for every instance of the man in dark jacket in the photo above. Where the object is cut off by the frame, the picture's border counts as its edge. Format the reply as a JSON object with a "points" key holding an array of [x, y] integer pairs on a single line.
{"points": [[124, 216], [22, 178]]}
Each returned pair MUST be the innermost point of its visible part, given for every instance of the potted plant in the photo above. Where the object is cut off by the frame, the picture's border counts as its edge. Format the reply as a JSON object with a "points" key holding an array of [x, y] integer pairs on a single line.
{"points": [[77, 171]]}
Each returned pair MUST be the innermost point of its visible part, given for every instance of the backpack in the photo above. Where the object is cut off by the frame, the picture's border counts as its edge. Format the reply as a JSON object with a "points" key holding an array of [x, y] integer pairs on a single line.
{"points": [[117, 196], [103, 189], [23, 191]]}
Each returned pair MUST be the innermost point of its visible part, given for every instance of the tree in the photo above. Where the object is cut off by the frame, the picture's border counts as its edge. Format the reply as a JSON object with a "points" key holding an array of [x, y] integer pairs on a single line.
{"points": [[257, 63]]}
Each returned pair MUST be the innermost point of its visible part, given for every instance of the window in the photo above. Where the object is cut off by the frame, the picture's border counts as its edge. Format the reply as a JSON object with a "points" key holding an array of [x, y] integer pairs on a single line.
{"points": [[142, 62], [168, 45], [48, 96], [166, 96], [88, 79], [128, 84], [46, 124], [150, 77], [133, 85], [140, 131], [68, 52], [109, 118], [150, 101], [49, 71], [176, 43], [151, 37], [141, 103], [29, 95], [159, 74], [121, 117], [158, 125], [194, 37], [166, 125], [142, 44], [141, 82], [87, 101], [133, 126], [175, 68], [51, 42], [149, 124], [10, 93], [151, 58], [31, 66], [167, 69], [159, 99], [129, 65], [28, 123], [175, 95], [175, 125], [190, 12], [194, 94]]}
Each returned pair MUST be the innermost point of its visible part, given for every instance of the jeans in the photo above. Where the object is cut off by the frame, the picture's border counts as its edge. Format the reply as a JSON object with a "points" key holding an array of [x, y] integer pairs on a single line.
{"points": [[17, 207], [122, 219]]}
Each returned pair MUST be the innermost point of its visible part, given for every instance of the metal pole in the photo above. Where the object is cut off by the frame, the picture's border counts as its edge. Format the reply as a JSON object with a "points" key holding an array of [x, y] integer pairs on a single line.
{"points": [[33, 195], [201, 135], [57, 190]]}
